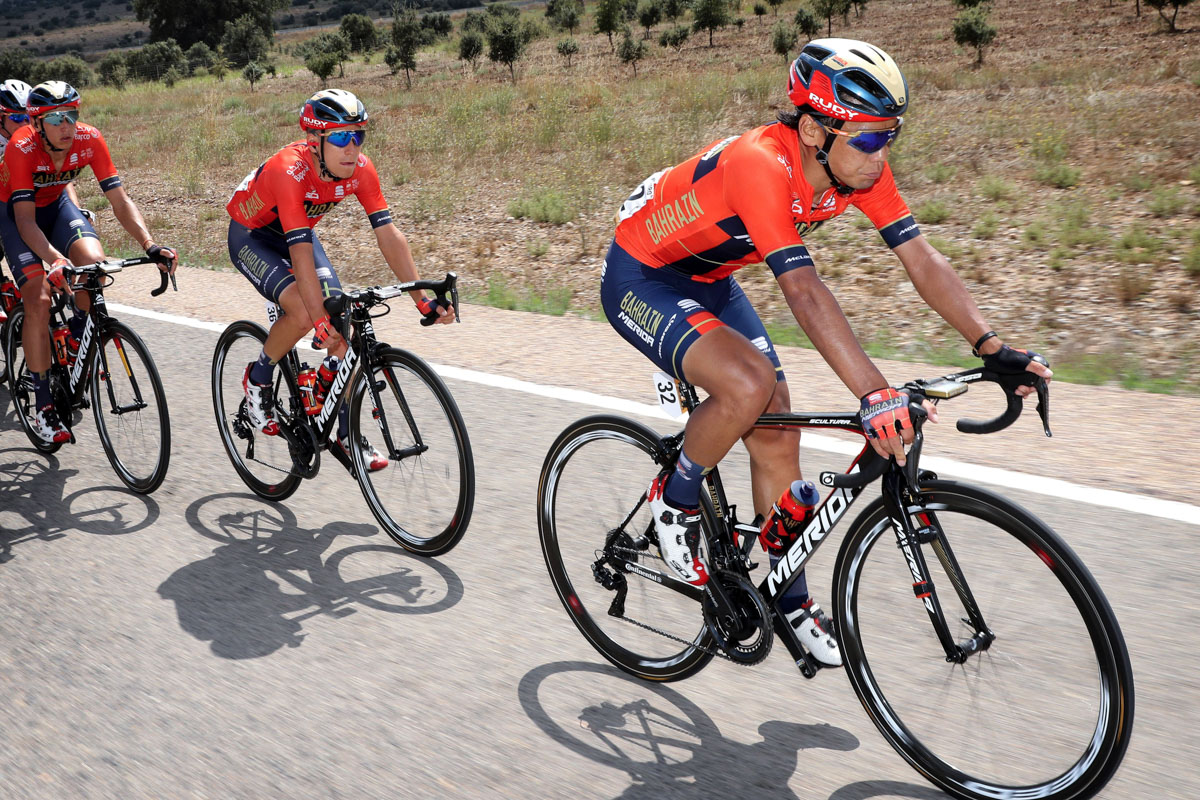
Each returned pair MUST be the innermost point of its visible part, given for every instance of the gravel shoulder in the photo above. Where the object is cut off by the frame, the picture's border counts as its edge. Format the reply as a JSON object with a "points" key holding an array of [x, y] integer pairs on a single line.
{"points": [[1103, 437]]}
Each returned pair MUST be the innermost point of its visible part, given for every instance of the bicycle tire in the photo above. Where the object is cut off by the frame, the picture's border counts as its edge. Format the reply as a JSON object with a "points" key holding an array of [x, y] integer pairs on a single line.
{"points": [[424, 500], [1042, 585], [158, 456], [277, 483], [20, 381], [594, 477]]}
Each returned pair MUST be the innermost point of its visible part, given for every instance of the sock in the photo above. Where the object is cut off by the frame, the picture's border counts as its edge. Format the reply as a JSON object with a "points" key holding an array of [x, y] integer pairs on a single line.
{"points": [[796, 595], [41, 389], [263, 370], [75, 323], [683, 487]]}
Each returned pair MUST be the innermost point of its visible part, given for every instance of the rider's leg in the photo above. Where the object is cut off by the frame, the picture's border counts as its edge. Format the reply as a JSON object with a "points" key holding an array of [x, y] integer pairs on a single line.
{"points": [[83, 251], [35, 297]]}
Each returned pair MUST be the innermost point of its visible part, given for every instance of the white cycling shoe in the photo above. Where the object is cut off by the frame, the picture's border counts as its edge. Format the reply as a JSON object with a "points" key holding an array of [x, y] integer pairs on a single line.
{"points": [[816, 634], [678, 535]]}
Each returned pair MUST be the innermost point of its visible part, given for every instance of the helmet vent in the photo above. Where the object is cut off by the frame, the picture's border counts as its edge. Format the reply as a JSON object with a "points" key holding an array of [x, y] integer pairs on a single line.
{"points": [[818, 52], [863, 56]]}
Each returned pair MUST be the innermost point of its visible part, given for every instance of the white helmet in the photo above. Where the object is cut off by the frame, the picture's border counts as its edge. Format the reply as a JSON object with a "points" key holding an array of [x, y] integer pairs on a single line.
{"points": [[13, 94]]}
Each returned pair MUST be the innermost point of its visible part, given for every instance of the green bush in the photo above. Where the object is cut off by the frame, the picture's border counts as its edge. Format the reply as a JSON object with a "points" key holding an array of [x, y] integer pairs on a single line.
{"points": [[1061, 176], [933, 212], [544, 206]]}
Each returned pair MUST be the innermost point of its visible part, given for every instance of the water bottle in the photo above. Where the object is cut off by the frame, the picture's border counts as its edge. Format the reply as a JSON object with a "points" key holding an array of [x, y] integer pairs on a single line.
{"points": [[789, 516], [307, 381], [325, 375], [10, 296], [61, 336]]}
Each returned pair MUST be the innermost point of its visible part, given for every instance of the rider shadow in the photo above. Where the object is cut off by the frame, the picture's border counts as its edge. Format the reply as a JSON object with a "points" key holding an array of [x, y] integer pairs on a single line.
{"points": [[34, 504], [670, 747], [251, 596]]}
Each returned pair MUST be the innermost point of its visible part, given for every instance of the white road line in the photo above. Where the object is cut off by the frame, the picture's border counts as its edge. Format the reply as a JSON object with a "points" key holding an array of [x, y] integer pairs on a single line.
{"points": [[1052, 487]]}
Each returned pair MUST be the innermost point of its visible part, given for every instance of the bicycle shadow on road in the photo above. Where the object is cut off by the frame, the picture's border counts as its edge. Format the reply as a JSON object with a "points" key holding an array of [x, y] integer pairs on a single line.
{"points": [[35, 505], [250, 597], [670, 747]]}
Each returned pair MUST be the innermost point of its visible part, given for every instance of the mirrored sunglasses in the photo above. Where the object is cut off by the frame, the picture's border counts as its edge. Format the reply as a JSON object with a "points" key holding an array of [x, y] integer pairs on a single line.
{"points": [[869, 141], [344, 138], [18, 118], [59, 117]]}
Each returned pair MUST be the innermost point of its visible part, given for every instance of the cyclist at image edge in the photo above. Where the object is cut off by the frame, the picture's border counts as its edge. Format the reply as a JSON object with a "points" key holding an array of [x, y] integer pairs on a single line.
{"points": [[41, 223], [272, 242], [13, 94], [667, 288]]}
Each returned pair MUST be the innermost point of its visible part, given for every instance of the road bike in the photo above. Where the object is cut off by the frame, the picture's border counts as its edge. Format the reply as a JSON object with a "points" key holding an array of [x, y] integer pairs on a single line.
{"points": [[113, 373], [996, 668], [423, 499]]}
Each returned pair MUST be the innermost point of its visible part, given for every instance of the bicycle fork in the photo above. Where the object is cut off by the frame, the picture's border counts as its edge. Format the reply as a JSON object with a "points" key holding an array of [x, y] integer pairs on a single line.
{"points": [[909, 539]]}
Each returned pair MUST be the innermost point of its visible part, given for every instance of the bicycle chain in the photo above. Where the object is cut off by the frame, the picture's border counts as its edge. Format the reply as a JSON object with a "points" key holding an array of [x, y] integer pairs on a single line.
{"points": [[671, 636]]}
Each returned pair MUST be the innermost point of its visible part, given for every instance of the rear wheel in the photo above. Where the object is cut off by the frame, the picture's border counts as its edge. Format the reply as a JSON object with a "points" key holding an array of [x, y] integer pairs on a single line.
{"points": [[20, 381], [263, 462], [131, 409], [424, 497], [596, 529], [1045, 710]]}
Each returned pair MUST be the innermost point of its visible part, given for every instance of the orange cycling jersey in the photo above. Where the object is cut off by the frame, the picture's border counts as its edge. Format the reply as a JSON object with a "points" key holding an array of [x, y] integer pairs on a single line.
{"points": [[28, 173], [744, 200], [286, 196]]}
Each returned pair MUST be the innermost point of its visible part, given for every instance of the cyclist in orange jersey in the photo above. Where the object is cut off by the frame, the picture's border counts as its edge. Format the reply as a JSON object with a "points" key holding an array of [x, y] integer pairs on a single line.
{"points": [[667, 287], [40, 222], [272, 242]]}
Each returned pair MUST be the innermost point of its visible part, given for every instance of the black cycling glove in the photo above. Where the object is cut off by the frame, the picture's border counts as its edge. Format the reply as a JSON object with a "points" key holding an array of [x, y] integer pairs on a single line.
{"points": [[1010, 361]]}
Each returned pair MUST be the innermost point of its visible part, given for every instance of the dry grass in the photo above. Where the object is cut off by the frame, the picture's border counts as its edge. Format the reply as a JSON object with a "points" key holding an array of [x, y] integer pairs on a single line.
{"points": [[989, 154]]}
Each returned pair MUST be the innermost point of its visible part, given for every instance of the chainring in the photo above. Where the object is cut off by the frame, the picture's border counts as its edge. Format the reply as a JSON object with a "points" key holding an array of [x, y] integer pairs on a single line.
{"points": [[302, 446], [748, 638]]}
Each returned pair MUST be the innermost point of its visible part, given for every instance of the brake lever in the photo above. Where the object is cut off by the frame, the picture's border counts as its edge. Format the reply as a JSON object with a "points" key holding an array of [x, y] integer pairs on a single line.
{"points": [[1043, 405]]}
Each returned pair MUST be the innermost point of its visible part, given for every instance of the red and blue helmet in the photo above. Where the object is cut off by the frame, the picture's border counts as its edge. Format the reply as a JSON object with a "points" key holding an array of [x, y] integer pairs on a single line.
{"points": [[848, 80], [330, 109], [51, 96]]}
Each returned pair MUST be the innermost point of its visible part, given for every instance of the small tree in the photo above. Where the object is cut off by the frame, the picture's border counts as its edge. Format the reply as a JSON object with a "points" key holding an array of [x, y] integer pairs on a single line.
{"points": [[610, 18], [333, 43], [567, 48], [807, 23], [470, 48], [220, 66], [972, 29], [710, 15], [322, 65], [760, 10], [675, 38], [72, 69], [171, 77], [783, 38], [1161, 7], [826, 9], [969, 3], [775, 4], [199, 55], [253, 73], [407, 37], [631, 51], [244, 41], [112, 70], [649, 14], [674, 9], [506, 43], [859, 7], [360, 32]]}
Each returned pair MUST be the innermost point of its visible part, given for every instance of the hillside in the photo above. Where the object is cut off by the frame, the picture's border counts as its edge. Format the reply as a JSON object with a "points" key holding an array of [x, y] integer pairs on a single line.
{"points": [[1060, 178]]}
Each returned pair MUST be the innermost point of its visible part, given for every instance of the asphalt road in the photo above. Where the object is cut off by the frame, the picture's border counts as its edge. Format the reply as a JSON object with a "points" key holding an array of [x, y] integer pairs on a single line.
{"points": [[203, 643]]}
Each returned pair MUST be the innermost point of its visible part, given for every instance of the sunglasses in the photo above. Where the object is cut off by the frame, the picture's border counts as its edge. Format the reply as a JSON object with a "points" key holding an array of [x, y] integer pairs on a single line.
{"points": [[869, 141], [18, 118], [344, 138], [59, 117]]}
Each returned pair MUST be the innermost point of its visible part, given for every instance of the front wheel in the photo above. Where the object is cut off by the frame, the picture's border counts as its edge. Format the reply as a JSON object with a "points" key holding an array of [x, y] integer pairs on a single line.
{"points": [[1045, 709], [131, 409], [596, 532], [263, 462], [424, 497]]}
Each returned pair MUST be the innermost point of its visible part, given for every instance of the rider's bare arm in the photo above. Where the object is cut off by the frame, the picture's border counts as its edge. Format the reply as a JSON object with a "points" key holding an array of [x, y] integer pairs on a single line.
{"points": [[394, 246], [821, 317]]}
